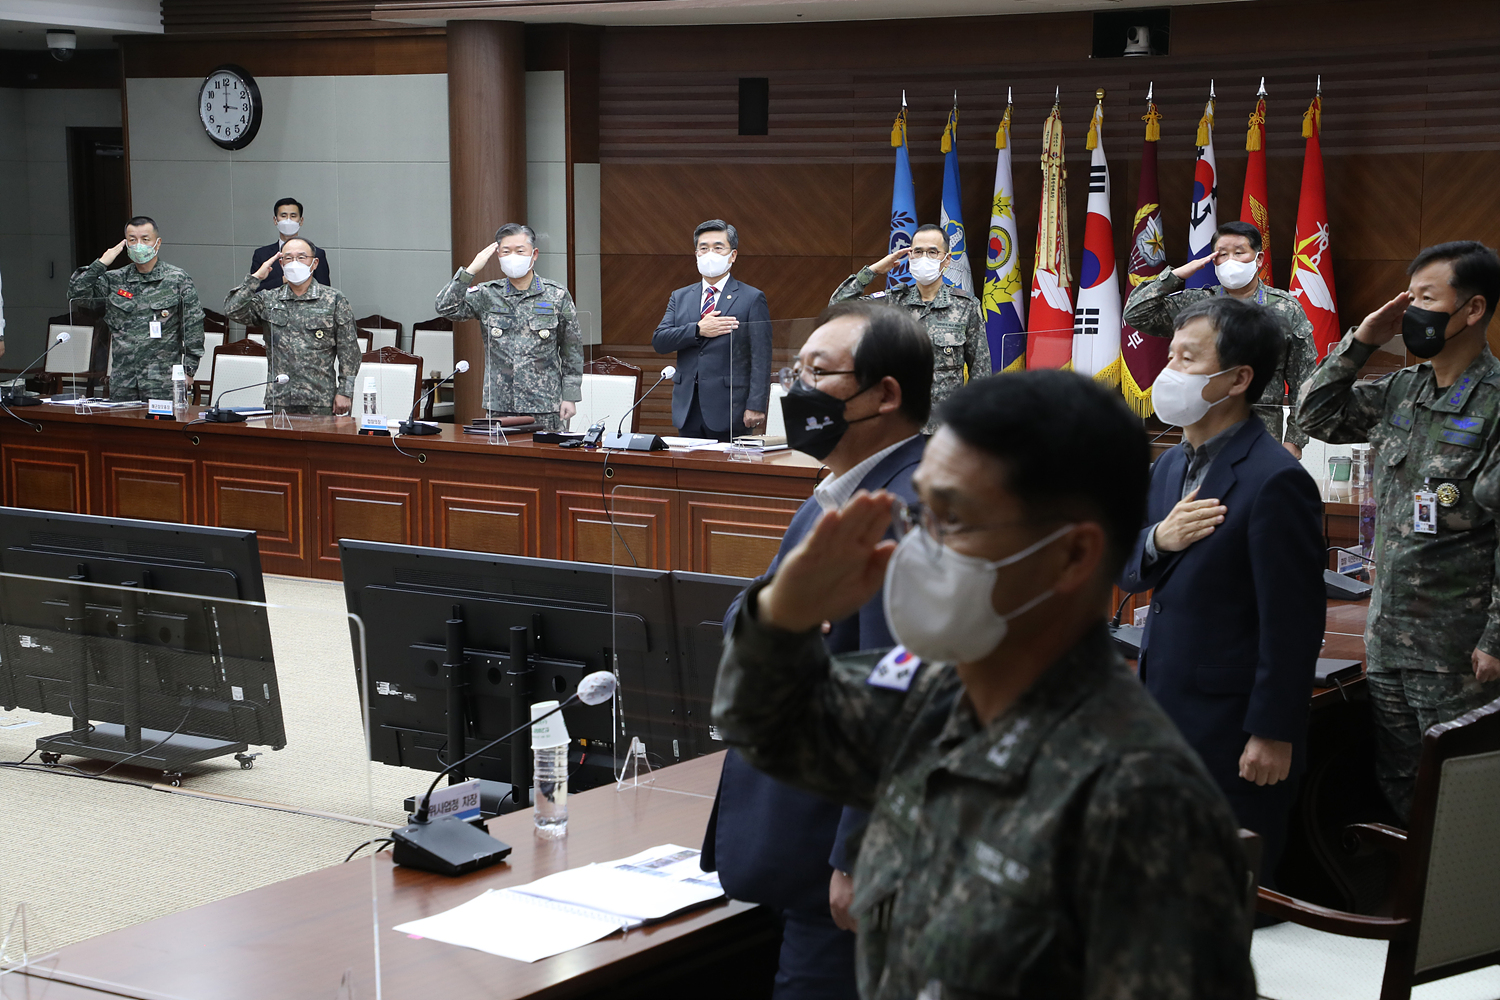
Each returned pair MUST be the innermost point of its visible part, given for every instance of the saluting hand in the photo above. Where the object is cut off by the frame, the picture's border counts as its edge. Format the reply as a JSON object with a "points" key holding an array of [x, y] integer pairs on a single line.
{"points": [[482, 258], [1384, 323], [1192, 267], [108, 257], [835, 569], [1189, 521], [890, 260], [264, 271]]}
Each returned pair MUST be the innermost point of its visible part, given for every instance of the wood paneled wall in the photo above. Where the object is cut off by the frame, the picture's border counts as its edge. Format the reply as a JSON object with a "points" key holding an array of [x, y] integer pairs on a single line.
{"points": [[1411, 137]]}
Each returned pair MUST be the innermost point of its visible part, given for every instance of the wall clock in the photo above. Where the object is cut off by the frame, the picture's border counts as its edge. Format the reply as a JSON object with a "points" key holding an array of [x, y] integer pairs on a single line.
{"points": [[229, 107]]}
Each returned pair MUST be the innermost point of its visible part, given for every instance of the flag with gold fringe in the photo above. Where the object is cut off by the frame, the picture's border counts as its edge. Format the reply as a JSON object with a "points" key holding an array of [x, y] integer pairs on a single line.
{"points": [[1253, 207], [1049, 340], [1004, 304], [1312, 261], [903, 201], [1142, 357], [1096, 320], [951, 213], [1203, 215]]}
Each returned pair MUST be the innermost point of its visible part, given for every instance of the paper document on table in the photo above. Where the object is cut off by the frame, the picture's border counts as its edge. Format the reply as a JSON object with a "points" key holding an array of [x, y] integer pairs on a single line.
{"points": [[510, 924], [686, 442], [577, 907]]}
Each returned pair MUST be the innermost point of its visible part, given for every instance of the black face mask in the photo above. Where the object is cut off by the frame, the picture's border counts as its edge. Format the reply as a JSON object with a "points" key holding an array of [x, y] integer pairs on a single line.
{"points": [[1424, 331], [815, 421]]}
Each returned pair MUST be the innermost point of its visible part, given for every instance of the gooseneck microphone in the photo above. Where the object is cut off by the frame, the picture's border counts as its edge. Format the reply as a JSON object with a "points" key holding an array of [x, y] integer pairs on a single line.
{"points": [[620, 441], [15, 397], [411, 426], [217, 414], [451, 846]]}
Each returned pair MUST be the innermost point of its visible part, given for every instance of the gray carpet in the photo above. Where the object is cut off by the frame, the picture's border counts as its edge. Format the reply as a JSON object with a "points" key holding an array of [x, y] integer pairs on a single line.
{"points": [[93, 856]]}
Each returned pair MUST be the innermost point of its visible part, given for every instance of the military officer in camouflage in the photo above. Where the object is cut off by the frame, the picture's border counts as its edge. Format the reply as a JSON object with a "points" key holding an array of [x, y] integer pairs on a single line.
{"points": [[151, 308], [1432, 644], [533, 361], [308, 327], [1040, 829], [952, 317], [1153, 306]]}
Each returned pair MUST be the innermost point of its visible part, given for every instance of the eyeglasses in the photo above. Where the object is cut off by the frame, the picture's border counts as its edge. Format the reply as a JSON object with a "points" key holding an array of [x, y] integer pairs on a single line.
{"points": [[301, 258], [798, 372], [931, 253], [906, 518], [719, 248]]}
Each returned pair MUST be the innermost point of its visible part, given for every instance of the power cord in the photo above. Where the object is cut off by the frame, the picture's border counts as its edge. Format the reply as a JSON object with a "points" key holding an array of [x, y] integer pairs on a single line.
{"points": [[377, 840], [153, 746], [609, 510]]}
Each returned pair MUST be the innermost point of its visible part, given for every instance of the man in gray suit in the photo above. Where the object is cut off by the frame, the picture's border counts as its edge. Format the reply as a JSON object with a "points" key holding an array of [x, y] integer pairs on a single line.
{"points": [[721, 331]]}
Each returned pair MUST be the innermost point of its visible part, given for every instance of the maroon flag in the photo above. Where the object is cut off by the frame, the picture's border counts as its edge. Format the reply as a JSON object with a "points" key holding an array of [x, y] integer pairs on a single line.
{"points": [[1143, 356]]}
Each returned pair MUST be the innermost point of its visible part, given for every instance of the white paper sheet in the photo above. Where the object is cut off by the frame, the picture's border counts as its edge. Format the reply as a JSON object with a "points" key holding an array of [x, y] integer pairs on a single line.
{"points": [[510, 924]]}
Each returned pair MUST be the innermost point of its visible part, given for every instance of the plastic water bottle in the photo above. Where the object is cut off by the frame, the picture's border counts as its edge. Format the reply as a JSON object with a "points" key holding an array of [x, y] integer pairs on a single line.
{"points": [[549, 772], [370, 405], [179, 392]]}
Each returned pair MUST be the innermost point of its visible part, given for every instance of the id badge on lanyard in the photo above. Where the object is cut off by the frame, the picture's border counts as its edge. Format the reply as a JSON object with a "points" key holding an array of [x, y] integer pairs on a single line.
{"points": [[1424, 510]]}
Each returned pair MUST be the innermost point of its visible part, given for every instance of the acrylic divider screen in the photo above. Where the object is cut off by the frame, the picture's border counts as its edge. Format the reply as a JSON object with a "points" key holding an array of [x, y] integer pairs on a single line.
{"points": [[168, 746]]}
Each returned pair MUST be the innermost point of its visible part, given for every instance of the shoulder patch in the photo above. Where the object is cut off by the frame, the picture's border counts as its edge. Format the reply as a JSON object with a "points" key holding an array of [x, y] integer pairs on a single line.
{"points": [[895, 671]]}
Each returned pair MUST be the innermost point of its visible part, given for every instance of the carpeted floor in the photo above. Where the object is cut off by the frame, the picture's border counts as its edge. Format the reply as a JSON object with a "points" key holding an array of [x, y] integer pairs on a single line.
{"points": [[92, 856]]}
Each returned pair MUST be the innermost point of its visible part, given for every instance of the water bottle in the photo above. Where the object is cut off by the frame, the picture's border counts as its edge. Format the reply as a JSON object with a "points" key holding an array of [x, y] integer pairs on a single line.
{"points": [[370, 406], [1367, 510], [179, 392], [549, 772]]}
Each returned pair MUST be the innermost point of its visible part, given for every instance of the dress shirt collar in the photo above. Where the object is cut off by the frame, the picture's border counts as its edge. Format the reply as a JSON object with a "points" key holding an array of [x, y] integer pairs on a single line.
{"points": [[1205, 452], [835, 491], [717, 285]]}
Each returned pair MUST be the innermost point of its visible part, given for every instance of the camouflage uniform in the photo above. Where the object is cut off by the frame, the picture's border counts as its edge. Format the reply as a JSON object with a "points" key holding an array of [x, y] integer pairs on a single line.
{"points": [[534, 358], [1153, 306], [1074, 847], [1437, 597], [132, 301], [955, 321], [304, 334]]}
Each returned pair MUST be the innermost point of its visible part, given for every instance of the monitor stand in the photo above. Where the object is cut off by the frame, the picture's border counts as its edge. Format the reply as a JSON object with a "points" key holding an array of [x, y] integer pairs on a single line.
{"points": [[152, 748]]}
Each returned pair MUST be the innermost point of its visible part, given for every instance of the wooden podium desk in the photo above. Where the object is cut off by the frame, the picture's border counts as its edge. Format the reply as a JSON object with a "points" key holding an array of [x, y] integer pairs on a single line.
{"points": [[294, 939], [304, 488]]}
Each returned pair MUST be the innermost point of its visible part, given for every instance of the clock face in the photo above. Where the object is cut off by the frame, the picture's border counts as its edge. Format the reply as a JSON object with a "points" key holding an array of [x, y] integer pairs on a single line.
{"points": [[229, 107]]}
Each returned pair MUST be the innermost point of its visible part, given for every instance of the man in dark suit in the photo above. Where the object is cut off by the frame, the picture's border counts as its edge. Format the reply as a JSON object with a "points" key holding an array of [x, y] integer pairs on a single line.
{"points": [[771, 843], [288, 218], [721, 331], [1238, 607]]}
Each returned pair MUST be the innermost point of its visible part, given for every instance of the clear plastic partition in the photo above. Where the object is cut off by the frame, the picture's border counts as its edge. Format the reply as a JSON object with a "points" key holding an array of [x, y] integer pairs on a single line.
{"points": [[171, 736], [681, 560], [750, 381]]}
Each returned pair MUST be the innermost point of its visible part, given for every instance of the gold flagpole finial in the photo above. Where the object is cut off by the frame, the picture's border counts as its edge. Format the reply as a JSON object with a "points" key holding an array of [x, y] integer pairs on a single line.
{"points": [[1152, 118]]}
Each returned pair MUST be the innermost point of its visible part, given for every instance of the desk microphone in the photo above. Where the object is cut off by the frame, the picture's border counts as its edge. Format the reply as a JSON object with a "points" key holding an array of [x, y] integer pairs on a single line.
{"points": [[217, 414], [452, 846], [12, 397], [619, 441], [411, 426], [1341, 586]]}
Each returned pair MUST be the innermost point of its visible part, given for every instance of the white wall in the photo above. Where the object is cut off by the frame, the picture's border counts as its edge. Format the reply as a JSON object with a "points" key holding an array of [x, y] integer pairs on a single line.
{"points": [[36, 234], [366, 155]]}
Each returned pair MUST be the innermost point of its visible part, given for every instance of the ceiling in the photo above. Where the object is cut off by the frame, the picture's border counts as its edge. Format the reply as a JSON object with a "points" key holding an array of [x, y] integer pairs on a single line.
{"points": [[24, 23]]}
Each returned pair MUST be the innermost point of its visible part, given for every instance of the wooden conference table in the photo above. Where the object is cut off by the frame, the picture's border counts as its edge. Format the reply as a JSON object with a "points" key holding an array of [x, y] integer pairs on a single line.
{"points": [[295, 939], [302, 489]]}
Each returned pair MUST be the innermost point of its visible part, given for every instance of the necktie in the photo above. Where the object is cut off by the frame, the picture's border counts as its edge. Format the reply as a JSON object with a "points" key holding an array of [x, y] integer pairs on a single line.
{"points": [[708, 300]]}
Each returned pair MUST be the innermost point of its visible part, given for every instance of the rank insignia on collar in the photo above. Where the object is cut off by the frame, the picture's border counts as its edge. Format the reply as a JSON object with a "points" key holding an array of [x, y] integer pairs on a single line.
{"points": [[1448, 495], [124, 294]]}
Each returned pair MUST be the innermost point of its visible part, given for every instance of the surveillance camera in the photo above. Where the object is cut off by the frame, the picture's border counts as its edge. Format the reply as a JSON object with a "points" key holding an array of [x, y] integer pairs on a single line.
{"points": [[61, 44]]}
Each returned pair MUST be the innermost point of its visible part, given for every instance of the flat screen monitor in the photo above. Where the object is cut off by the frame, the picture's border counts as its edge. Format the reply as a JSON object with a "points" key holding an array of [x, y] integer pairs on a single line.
{"points": [[136, 629], [576, 618], [701, 601]]}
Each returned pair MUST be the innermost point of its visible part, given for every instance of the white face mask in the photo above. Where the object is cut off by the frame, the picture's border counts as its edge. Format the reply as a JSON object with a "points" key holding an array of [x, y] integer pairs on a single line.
{"points": [[296, 272], [1178, 399], [711, 265], [937, 602], [924, 269], [288, 227], [1236, 274], [515, 265]]}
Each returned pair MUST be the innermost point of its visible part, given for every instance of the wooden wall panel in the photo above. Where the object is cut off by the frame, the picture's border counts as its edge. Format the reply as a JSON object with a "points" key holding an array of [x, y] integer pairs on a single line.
{"points": [[151, 489], [270, 500], [502, 519], [374, 508], [640, 535], [387, 51], [47, 479], [736, 536]]}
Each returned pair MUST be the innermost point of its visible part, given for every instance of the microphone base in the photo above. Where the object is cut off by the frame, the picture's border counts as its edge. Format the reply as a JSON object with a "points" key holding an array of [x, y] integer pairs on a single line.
{"points": [[418, 428], [13, 401], [633, 442], [447, 846], [217, 415]]}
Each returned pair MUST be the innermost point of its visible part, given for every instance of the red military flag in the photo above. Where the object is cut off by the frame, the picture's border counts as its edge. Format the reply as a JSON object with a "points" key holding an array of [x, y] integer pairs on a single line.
{"points": [[1312, 263], [1049, 342], [1253, 206], [1144, 357]]}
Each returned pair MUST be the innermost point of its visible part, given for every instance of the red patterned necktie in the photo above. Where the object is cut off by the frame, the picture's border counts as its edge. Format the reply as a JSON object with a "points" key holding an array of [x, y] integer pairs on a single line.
{"points": [[709, 294]]}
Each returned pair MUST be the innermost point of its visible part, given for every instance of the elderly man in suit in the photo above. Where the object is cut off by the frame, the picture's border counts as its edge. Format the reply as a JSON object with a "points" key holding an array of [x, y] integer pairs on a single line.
{"points": [[857, 401], [1233, 552], [721, 331]]}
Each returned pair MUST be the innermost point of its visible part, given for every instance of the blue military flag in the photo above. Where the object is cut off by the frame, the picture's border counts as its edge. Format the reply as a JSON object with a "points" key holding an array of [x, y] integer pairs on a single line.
{"points": [[1004, 301], [1204, 214], [903, 201], [951, 216]]}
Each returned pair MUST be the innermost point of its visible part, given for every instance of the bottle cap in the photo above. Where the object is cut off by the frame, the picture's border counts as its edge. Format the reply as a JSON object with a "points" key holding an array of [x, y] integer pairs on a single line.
{"points": [[551, 731], [178, 372]]}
